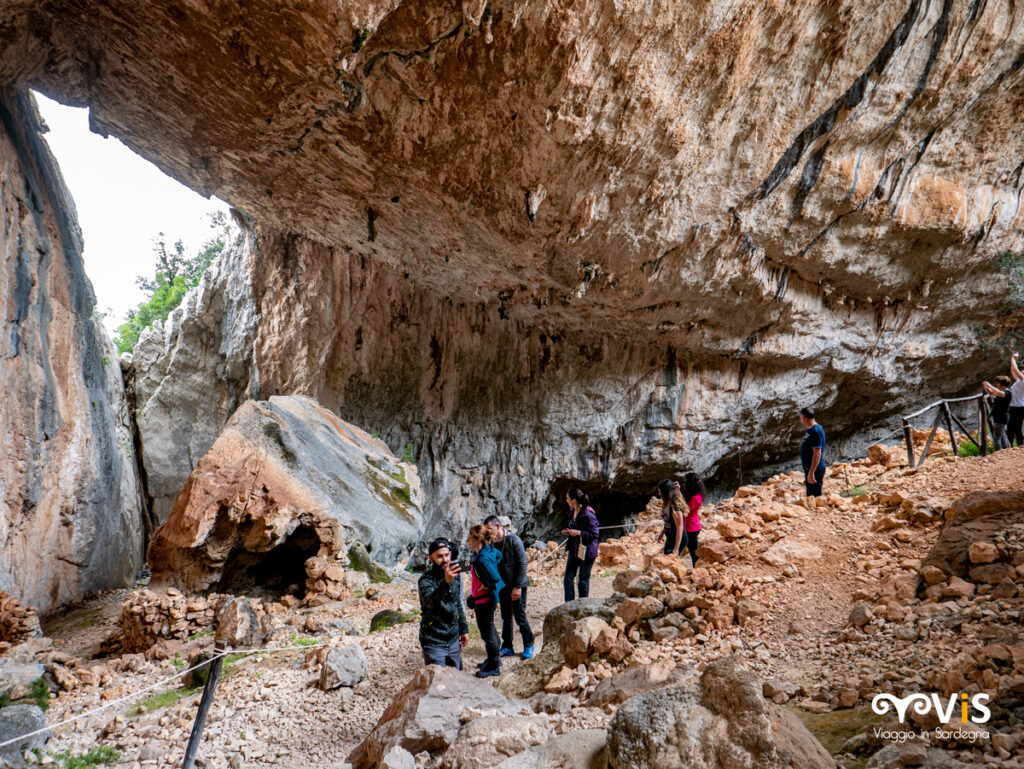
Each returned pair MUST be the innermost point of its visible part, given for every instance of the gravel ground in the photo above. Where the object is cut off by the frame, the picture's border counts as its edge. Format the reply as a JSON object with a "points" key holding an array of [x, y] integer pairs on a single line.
{"points": [[268, 713]]}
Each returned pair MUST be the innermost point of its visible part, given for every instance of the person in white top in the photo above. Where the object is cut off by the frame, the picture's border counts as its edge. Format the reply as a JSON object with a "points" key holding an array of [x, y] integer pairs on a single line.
{"points": [[1016, 426]]}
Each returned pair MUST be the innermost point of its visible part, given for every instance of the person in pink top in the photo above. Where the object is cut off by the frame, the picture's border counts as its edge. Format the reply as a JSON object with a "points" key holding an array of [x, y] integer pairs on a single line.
{"points": [[681, 514]]}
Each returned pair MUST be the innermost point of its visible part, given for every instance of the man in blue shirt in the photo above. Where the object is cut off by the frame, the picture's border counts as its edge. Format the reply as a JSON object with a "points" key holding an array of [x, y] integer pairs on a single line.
{"points": [[812, 453]]}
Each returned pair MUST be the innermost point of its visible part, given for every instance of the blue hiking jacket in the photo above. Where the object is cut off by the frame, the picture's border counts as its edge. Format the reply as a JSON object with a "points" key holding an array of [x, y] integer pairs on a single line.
{"points": [[485, 566]]}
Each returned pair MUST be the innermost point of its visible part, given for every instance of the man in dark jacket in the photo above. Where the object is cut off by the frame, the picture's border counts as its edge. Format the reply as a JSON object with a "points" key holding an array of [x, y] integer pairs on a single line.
{"points": [[443, 627], [512, 599]]}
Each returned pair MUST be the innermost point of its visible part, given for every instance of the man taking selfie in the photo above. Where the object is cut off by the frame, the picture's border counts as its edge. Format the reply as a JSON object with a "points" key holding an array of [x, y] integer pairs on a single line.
{"points": [[443, 627]]}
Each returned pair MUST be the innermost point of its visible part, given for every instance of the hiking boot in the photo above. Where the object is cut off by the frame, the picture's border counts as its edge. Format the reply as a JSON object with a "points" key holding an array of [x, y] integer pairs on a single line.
{"points": [[506, 651], [527, 652], [489, 672]]}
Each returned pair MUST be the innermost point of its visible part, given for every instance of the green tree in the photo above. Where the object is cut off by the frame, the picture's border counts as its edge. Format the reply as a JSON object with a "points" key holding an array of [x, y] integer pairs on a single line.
{"points": [[174, 275]]}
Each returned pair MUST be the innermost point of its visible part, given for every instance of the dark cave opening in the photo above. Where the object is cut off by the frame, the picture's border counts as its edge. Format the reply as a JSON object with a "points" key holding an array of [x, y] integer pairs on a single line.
{"points": [[277, 572], [615, 505]]}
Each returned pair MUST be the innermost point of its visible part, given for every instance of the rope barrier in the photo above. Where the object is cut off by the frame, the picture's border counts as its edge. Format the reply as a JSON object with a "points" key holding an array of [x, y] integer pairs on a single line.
{"points": [[636, 526], [157, 685], [539, 562]]}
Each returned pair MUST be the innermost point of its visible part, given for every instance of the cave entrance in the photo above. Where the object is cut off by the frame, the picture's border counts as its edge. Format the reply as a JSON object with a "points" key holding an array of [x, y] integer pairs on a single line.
{"points": [[616, 505], [279, 571]]}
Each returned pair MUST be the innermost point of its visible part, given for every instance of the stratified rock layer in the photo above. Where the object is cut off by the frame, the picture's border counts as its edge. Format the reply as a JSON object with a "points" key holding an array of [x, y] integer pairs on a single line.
{"points": [[286, 481], [547, 244], [70, 510]]}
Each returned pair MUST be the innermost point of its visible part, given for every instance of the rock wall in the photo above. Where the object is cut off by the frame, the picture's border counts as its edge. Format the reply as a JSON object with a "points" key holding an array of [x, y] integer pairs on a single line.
{"points": [[70, 509], [188, 375], [551, 242]]}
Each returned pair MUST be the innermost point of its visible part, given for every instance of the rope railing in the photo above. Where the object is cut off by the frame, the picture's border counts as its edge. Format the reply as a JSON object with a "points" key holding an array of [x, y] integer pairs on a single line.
{"points": [[218, 657]]}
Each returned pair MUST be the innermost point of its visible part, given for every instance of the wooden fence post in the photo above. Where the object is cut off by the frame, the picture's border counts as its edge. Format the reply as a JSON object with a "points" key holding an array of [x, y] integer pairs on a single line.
{"points": [[983, 413], [908, 436], [949, 426]]}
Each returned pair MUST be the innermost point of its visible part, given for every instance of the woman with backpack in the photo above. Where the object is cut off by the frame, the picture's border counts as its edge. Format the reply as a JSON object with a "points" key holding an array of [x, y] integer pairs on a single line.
{"points": [[486, 584]]}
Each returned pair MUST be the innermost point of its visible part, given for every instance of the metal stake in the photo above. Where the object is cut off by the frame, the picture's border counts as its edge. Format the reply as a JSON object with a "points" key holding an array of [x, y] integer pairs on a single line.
{"points": [[204, 705]]}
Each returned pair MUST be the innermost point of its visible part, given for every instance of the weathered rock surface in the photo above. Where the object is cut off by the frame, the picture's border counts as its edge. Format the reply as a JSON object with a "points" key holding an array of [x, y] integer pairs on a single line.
{"points": [[973, 519], [285, 482], [426, 714], [343, 666], [16, 720], [489, 740], [565, 615], [722, 721], [583, 749], [637, 680], [190, 373], [544, 245], [789, 551], [15, 677], [71, 515]]}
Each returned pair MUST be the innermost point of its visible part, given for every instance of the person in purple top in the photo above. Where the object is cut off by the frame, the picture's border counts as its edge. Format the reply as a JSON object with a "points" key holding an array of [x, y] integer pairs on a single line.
{"points": [[583, 534]]}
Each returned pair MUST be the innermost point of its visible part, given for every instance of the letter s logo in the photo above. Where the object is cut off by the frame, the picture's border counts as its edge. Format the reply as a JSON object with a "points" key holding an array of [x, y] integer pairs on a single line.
{"points": [[976, 701]]}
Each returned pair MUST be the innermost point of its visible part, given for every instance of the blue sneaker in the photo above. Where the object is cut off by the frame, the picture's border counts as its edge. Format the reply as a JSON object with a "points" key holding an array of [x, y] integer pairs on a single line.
{"points": [[527, 652], [505, 651]]}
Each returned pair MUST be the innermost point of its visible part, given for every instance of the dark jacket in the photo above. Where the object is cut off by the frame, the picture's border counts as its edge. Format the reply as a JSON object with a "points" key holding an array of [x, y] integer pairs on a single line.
{"points": [[485, 566], [512, 566], [586, 522], [443, 617]]}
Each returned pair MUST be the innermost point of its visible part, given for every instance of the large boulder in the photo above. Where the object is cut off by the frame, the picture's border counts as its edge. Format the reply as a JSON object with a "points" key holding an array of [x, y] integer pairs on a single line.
{"points": [[529, 677], [238, 623], [720, 722], [974, 518], [788, 550], [583, 749], [637, 680], [581, 638], [427, 714], [487, 741], [18, 720], [563, 616], [286, 480], [343, 666]]}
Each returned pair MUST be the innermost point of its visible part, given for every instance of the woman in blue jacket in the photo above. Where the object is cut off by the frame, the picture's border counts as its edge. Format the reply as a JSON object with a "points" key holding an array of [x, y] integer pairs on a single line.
{"points": [[583, 534], [486, 584]]}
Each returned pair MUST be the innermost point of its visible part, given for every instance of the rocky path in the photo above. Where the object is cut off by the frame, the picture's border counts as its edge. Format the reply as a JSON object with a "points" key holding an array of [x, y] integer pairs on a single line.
{"points": [[269, 713]]}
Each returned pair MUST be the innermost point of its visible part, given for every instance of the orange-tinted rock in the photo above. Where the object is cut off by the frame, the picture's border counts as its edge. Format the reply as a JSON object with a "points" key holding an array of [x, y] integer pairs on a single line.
{"points": [[975, 517], [286, 481]]}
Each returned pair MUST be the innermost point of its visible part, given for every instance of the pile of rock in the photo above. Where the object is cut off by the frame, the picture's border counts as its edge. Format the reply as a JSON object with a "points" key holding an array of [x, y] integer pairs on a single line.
{"points": [[450, 720], [672, 601], [949, 623], [148, 616], [328, 579], [17, 621]]}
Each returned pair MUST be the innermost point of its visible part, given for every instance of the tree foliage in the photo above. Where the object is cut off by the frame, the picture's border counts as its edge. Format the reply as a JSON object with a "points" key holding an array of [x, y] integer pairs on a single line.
{"points": [[175, 274]]}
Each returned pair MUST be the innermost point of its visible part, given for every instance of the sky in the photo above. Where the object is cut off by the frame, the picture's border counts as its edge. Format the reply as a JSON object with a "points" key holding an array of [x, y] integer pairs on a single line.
{"points": [[123, 203]]}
